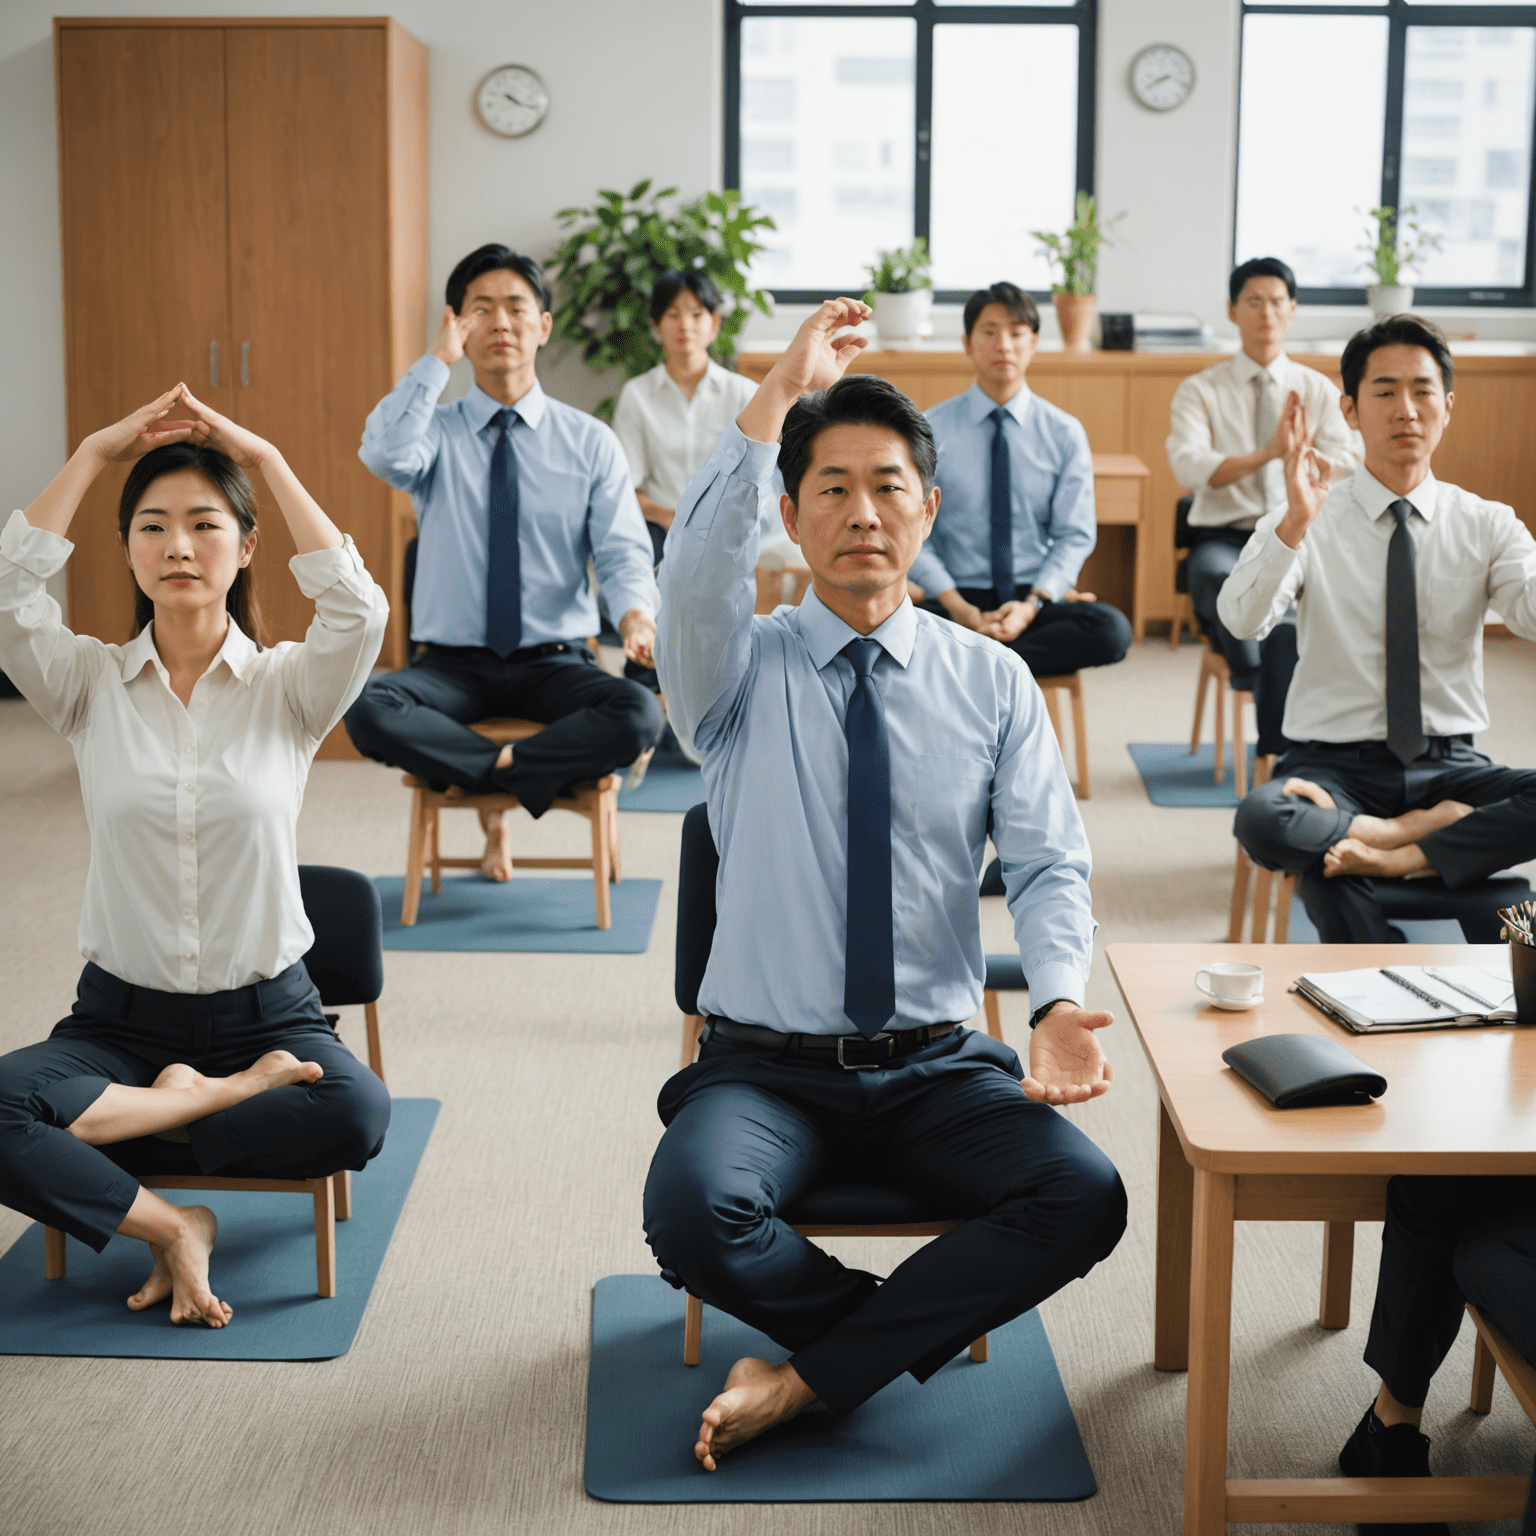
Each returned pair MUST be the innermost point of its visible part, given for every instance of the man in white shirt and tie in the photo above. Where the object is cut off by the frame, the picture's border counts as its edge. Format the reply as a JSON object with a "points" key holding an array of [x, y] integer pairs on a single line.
{"points": [[1227, 443], [1393, 573]]}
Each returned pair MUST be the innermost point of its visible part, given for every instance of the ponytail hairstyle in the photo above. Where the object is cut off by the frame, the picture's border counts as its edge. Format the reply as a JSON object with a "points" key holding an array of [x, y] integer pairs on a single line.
{"points": [[230, 481]]}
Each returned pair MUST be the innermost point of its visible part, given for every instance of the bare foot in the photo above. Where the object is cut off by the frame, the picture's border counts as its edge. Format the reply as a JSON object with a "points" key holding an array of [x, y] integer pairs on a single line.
{"points": [[277, 1069], [1399, 831], [496, 861], [756, 1397], [181, 1272], [1352, 857], [1305, 789]]}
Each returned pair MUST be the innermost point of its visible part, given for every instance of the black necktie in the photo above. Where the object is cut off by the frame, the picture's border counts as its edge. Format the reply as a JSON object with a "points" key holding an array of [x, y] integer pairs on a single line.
{"points": [[1002, 514], [869, 975], [503, 566], [1405, 720]]}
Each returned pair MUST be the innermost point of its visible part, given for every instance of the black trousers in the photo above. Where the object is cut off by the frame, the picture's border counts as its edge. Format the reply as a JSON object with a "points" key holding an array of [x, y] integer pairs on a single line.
{"points": [[129, 1035], [1064, 637], [749, 1132], [1262, 666], [418, 719], [1447, 1242], [1284, 832]]}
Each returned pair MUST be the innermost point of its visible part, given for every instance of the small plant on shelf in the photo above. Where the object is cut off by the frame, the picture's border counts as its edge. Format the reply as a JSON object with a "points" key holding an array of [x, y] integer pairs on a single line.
{"points": [[1076, 250], [1395, 241], [899, 271]]}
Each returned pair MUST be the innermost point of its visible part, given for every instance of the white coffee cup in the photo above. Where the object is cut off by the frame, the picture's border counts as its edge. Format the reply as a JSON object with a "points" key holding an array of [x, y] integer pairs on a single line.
{"points": [[1232, 983]]}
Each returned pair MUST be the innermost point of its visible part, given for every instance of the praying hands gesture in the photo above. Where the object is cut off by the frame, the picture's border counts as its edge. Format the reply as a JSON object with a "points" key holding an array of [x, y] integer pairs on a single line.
{"points": [[1066, 1065], [1307, 477]]}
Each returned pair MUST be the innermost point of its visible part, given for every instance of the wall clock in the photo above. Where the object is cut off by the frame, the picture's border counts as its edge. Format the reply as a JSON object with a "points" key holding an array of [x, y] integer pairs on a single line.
{"points": [[1162, 77], [512, 101]]}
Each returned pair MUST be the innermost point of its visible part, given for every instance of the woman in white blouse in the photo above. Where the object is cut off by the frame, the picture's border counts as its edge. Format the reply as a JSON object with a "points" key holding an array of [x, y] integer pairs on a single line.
{"points": [[195, 1020]]}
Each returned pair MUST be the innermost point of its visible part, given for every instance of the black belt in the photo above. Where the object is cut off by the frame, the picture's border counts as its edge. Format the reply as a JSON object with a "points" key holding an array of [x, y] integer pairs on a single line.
{"points": [[485, 653], [853, 1053]]}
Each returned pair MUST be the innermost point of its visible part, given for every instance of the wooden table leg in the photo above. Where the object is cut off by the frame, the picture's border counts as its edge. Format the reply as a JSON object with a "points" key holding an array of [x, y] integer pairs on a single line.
{"points": [[1210, 1356], [1175, 1205], [1338, 1274]]}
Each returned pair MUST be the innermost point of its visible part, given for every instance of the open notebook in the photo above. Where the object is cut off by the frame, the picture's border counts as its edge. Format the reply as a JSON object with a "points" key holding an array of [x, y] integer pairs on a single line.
{"points": [[1413, 996]]}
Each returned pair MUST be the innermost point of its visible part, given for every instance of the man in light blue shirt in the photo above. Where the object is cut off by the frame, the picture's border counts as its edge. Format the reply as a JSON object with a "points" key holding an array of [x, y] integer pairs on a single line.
{"points": [[1017, 520], [515, 494], [854, 749]]}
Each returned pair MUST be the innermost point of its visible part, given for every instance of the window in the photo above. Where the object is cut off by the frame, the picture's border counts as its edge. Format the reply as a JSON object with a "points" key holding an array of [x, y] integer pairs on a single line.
{"points": [[1389, 103], [862, 124]]}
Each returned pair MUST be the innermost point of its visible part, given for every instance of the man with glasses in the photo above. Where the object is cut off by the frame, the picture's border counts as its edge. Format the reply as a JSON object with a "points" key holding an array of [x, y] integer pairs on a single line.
{"points": [[1228, 444]]}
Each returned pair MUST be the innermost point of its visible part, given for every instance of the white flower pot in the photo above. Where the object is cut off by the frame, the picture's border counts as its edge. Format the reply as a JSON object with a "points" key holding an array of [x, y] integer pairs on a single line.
{"points": [[1390, 298], [899, 317]]}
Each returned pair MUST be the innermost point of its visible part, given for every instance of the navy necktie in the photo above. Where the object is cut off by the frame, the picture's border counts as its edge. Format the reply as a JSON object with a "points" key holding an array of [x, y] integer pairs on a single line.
{"points": [[503, 561], [869, 976], [1002, 514], [1405, 719]]}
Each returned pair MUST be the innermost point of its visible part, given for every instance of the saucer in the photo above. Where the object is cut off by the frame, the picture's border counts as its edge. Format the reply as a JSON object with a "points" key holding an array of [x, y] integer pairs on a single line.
{"points": [[1253, 1002]]}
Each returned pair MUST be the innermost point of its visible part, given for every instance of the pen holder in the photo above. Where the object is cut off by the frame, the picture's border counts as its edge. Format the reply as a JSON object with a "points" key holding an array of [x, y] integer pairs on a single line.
{"points": [[1522, 970]]}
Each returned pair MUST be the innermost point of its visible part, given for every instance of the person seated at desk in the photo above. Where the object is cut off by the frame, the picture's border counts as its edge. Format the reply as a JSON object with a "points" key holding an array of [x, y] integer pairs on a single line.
{"points": [[1447, 1242], [515, 493], [853, 749], [1393, 572], [195, 1020], [1227, 443], [1016, 522]]}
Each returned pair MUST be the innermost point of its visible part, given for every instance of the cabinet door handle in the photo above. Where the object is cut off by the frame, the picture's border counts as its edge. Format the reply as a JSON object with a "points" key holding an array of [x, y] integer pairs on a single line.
{"points": [[245, 365], [213, 365]]}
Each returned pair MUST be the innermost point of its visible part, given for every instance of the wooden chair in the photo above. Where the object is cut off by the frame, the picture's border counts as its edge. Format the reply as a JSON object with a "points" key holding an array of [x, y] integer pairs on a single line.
{"points": [[771, 581], [1493, 1352], [346, 965], [596, 799], [1071, 684], [1214, 668], [832, 1210]]}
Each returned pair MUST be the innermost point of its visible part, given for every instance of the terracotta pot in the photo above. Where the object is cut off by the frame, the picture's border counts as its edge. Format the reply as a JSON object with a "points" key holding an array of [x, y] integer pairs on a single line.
{"points": [[1074, 314]]}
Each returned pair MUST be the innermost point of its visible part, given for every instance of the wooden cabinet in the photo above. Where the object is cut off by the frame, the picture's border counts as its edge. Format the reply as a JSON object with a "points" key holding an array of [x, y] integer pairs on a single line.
{"points": [[244, 206]]}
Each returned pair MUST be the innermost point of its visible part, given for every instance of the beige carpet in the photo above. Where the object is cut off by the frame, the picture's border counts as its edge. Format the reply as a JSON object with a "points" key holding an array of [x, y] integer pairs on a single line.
{"points": [[460, 1408]]}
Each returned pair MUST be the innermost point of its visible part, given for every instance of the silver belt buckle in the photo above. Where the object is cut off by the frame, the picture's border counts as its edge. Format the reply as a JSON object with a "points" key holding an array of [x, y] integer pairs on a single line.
{"points": [[866, 1066]]}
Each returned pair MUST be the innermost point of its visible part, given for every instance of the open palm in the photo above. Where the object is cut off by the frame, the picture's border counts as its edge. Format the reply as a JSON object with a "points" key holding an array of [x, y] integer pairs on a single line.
{"points": [[1066, 1065]]}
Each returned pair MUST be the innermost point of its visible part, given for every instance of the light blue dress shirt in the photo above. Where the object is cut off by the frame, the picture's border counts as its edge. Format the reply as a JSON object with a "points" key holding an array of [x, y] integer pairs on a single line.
{"points": [[575, 504], [764, 700], [1052, 473]]}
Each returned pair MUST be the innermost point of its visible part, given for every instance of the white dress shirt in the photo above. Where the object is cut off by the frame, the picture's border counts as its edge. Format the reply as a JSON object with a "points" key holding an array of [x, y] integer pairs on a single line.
{"points": [[1215, 417], [765, 700], [193, 884], [1468, 553]]}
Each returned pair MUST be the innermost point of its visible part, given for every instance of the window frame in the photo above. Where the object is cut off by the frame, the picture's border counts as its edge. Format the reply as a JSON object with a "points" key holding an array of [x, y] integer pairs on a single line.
{"points": [[927, 14], [1400, 15]]}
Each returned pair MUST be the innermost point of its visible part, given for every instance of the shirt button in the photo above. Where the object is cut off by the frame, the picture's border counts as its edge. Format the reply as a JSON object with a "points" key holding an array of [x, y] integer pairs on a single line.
{"points": [[189, 837], [187, 787]]}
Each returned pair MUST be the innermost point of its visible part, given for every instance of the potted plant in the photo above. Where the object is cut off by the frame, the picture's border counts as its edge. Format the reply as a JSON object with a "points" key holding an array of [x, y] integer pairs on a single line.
{"points": [[1394, 242], [901, 292], [615, 251], [1076, 253]]}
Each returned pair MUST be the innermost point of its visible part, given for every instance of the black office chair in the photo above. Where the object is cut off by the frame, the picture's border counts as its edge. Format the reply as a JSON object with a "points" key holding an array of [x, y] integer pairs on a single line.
{"points": [[346, 965], [832, 1210], [1183, 542]]}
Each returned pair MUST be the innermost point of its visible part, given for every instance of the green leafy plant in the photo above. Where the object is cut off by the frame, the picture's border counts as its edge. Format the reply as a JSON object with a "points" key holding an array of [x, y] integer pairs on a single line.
{"points": [[1394, 241], [1076, 250], [899, 271], [615, 250]]}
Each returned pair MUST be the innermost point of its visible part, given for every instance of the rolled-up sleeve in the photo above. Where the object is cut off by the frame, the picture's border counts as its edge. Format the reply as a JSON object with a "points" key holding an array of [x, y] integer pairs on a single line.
{"points": [[1191, 454], [622, 553], [1264, 583], [323, 676], [400, 438]]}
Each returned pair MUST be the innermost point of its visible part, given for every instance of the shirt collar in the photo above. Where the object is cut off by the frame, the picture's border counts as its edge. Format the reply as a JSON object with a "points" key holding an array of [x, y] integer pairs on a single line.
{"points": [[826, 635], [479, 407], [982, 404], [237, 653], [1375, 498], [1248, 370]]}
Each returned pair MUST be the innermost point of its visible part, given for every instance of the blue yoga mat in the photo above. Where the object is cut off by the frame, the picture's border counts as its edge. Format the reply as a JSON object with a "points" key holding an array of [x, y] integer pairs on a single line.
{"points": [[522, 916], [1175, 776], [263, 1266], [1001, 1431], [672, 783]]}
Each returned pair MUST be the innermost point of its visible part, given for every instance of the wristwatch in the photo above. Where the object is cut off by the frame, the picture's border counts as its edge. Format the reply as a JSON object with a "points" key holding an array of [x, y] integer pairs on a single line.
{"points": [[1044, 1009], [1040, 597]]}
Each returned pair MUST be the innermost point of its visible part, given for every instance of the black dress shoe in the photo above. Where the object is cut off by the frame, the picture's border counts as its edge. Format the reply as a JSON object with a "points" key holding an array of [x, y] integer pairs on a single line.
{"points": [[992, 880], [1375, 1450]]}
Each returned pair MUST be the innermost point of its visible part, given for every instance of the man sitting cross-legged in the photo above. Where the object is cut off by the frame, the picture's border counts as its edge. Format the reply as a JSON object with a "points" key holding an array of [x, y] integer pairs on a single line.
{"points": [[853, 748], [1393, 572]]}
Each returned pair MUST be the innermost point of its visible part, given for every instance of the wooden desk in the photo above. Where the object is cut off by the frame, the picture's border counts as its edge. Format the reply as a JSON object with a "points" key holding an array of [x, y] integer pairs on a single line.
{"points": [[1120, 483], [1457, 1102]]}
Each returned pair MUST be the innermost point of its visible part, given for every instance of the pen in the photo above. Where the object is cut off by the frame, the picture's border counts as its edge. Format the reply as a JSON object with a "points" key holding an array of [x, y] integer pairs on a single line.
{"points": [[1408, 986], [1456, 986]]}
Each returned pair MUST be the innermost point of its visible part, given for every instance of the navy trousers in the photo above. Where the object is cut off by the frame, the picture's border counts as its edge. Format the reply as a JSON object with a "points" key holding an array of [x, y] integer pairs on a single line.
{"points": [[419, 719], [1282, 831], [1064, 637], [129, 1035], [749, 1132], [1449, 1241]]}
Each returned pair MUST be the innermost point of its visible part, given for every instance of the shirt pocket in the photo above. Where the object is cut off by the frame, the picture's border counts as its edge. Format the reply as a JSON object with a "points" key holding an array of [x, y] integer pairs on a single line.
{"points": [[954, 791], [1456, 605]]}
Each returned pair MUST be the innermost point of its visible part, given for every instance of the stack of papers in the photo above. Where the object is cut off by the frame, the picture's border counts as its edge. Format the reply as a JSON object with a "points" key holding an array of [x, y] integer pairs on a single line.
{"points": [[1401, 997], [1157, 331]]}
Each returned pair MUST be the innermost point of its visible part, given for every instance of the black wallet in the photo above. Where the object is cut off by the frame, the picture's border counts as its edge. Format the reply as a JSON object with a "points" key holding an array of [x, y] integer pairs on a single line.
{"points": [[1297, 1071]]}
